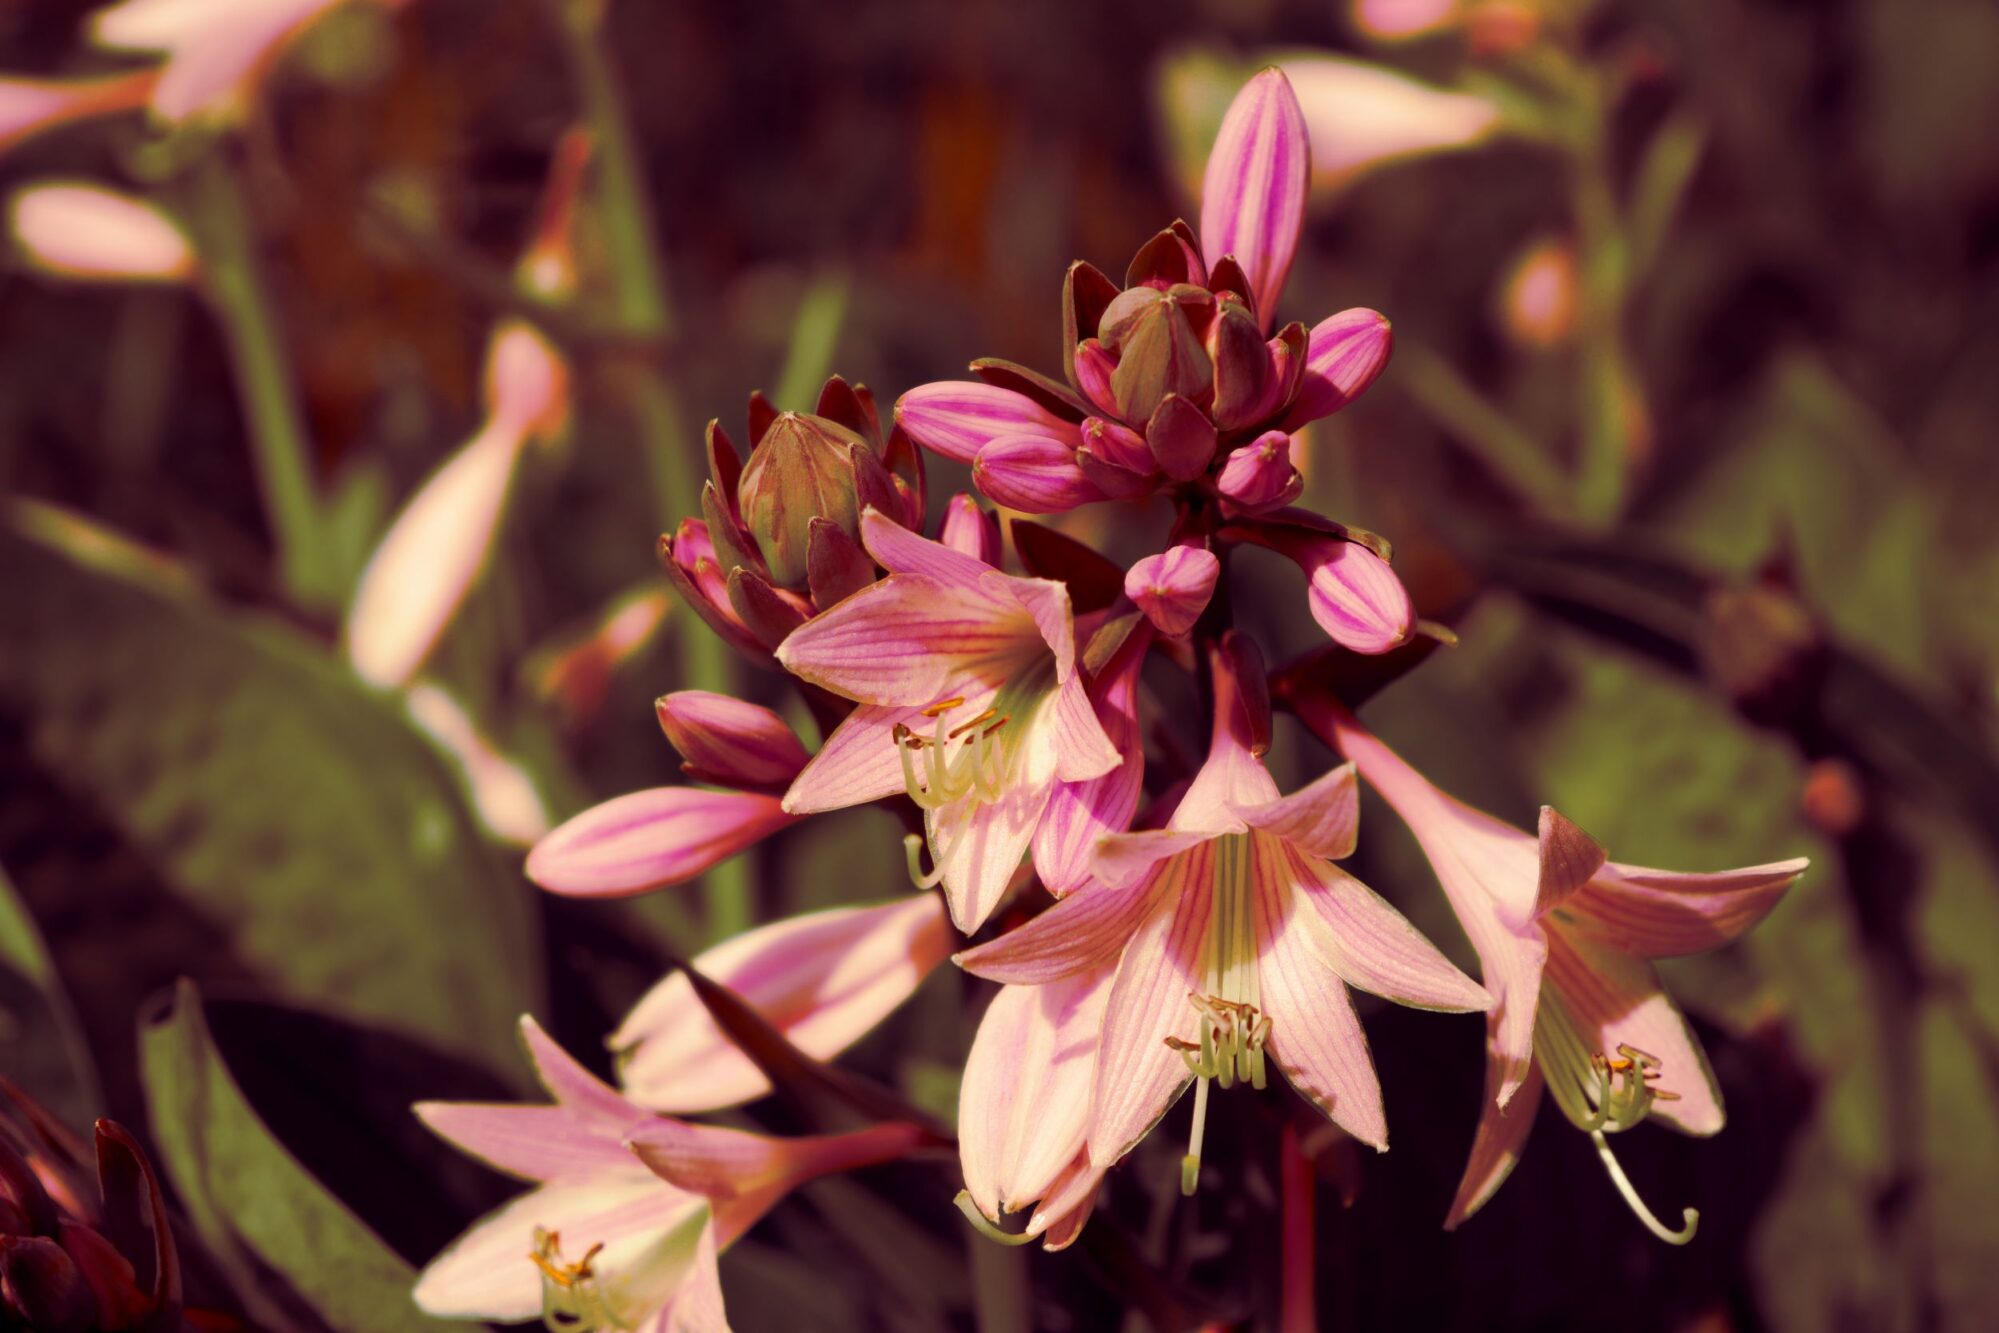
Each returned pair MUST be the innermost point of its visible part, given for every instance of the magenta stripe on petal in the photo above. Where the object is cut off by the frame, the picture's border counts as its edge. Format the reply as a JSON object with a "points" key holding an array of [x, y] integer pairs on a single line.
{"points": [[1253, 196], [1347, 352], [650, 839], [1357, 599], [958, 418]]}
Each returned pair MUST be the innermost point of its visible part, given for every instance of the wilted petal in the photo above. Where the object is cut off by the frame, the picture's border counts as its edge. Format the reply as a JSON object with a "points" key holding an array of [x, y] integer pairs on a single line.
{"points": [[433, 553], [1321, 818], [1496, 1144], [1366, 942], [1138, 1075], [1173, 587], [1356, 598], [730, 741], [860, 761], [1253, 195], [1315, 1036], [1082, 933], [824, 980], [1023, 1107], [1660, 914], [651, 839], [1347, 353], [486, 1273], [1036, 474], [909, 638], [958, 418], [89, 232], [1599, 998]]}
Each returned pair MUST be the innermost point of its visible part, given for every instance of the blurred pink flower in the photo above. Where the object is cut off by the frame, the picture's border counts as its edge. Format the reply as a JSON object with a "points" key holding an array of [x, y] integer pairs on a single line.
{"points": [[1363, 115], [824, 980], [651, 839], [78, 230], [503, 795], [1565, 939], [438, 546], [30, 106], [629, 1210], [216, 51], [1396, 20], [1537, 297], [1232, 925], [971, 703]]}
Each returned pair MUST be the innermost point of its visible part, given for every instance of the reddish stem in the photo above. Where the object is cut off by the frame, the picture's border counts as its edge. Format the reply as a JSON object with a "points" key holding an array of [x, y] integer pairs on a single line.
{"points": [[1298, 1182]]}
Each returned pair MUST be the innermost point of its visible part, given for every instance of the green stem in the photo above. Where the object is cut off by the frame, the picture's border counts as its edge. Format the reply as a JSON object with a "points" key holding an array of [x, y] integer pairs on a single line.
{"points": [[269, 402], [815, 332], [1605, 388], [1510, 454]]}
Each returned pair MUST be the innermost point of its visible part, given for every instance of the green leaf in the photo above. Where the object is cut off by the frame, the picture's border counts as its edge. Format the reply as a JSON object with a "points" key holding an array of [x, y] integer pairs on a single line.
{"points": [[294, 1253], [41, 1046], [283, 804]]}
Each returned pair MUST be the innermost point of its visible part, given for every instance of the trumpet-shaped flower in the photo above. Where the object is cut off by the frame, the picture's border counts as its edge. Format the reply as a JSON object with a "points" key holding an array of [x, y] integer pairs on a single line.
{"points": [[1234, 939], [970, 702], [629, 1210], [824, 980], [1565, 938]]}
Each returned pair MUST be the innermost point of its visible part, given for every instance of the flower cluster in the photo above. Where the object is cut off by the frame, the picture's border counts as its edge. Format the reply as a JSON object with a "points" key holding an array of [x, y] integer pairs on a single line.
{"points": [[1195, 931]]}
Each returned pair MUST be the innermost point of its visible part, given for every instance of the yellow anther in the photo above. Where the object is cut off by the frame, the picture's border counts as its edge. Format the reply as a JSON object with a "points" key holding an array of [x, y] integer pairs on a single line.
{"points": [[943, 707]]}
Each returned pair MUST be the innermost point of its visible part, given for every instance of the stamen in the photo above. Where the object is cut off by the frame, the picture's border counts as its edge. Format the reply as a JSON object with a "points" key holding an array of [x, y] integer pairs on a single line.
{"points": [[956, 732], [912, 852], [1190, 1165], [943, 707], [983, 1224], [1690, 1217]]}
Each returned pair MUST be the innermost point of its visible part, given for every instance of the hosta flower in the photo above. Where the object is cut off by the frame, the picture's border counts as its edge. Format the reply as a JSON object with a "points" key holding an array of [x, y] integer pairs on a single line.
{"points": [[31, 106], [1235, 938], [970, 702], [628, 1211], [73, 229], [1565, 939], [823, 980], [777, 537], [1172, 375]]}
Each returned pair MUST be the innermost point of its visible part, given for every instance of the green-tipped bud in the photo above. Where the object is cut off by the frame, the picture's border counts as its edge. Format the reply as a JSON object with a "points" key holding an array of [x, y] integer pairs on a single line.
{"points": [[1160, 355], [1242, 365], [806, 467]]}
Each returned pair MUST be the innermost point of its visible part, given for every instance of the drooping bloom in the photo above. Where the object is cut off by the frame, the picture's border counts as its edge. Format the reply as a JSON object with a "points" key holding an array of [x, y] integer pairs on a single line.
{"points": [[970, 702], [1024, 1107], [216, 51], [73, 229], [1235, 937], [1170, 375], [1565, 939], [629, 1210], [824, 980]]}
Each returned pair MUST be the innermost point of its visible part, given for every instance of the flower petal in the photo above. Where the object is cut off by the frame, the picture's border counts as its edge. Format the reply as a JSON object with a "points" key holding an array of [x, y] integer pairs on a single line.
{"points": [[958, 418], [857, 764], [1496, 1145], [1085, 930], [535, 1142], [1036, 474], [1047, 603], [1070, 1200], [1356, 598], [1138, 1075], [983, 843], [1321, 819], [1315, 1036], [1173, 587], [1080, 814], [651, 839], [697, 1303], [1345, 354], [76, 230], [486, 1274], [1082, 748], [1661, 914], [1599, 998], [824, 980], [575, 1088], [1367, 942], [907, 639], [1024, 1105], [1568, 858], [900, 551], [1253, 195]]}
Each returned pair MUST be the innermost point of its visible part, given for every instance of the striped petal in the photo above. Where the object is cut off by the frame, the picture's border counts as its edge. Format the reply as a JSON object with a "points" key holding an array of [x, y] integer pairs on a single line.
{"points": [[908, 639], [534, 1142], [983, 842], [1081, 814], [651, 839], [1083, 932], [1660, 914], [1321, 819], [858, 763], [1367, 942], [1496, 1144], [1253, 195], [958, 418], [1345, 353], [900, 551]]}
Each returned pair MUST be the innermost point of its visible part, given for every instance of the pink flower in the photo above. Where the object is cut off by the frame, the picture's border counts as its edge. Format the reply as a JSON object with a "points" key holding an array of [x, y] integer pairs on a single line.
{"points": [[1177, 369], [1173, 588], [970, 702], [78, 230], [1364, 115], [1352, 593], [629, 1210], [29, 106], [1233, 936], [1565, 939], [651, 839], [824, 980]]}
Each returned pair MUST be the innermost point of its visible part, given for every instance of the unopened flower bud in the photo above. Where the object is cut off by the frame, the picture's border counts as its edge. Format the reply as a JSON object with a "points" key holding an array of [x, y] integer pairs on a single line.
{"points": [[76, 230], [806, 467], [1242, 365], [1347, 352], [1181, 438], [1355, 596], [1118, 445], [1259, 476], [1537, 300], [1033, 474], [728, 741], [1173, 587], [1161, 355], [969, 528]]}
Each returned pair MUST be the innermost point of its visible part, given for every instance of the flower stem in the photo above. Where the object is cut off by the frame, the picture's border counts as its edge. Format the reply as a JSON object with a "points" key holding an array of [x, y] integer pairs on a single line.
{"points": [[1298, 1301], [264, 386], [1689, 1217]]}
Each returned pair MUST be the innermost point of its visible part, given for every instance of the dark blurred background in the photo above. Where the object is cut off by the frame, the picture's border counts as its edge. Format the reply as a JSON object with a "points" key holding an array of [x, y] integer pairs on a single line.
{"points": [[1689, 436]]}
